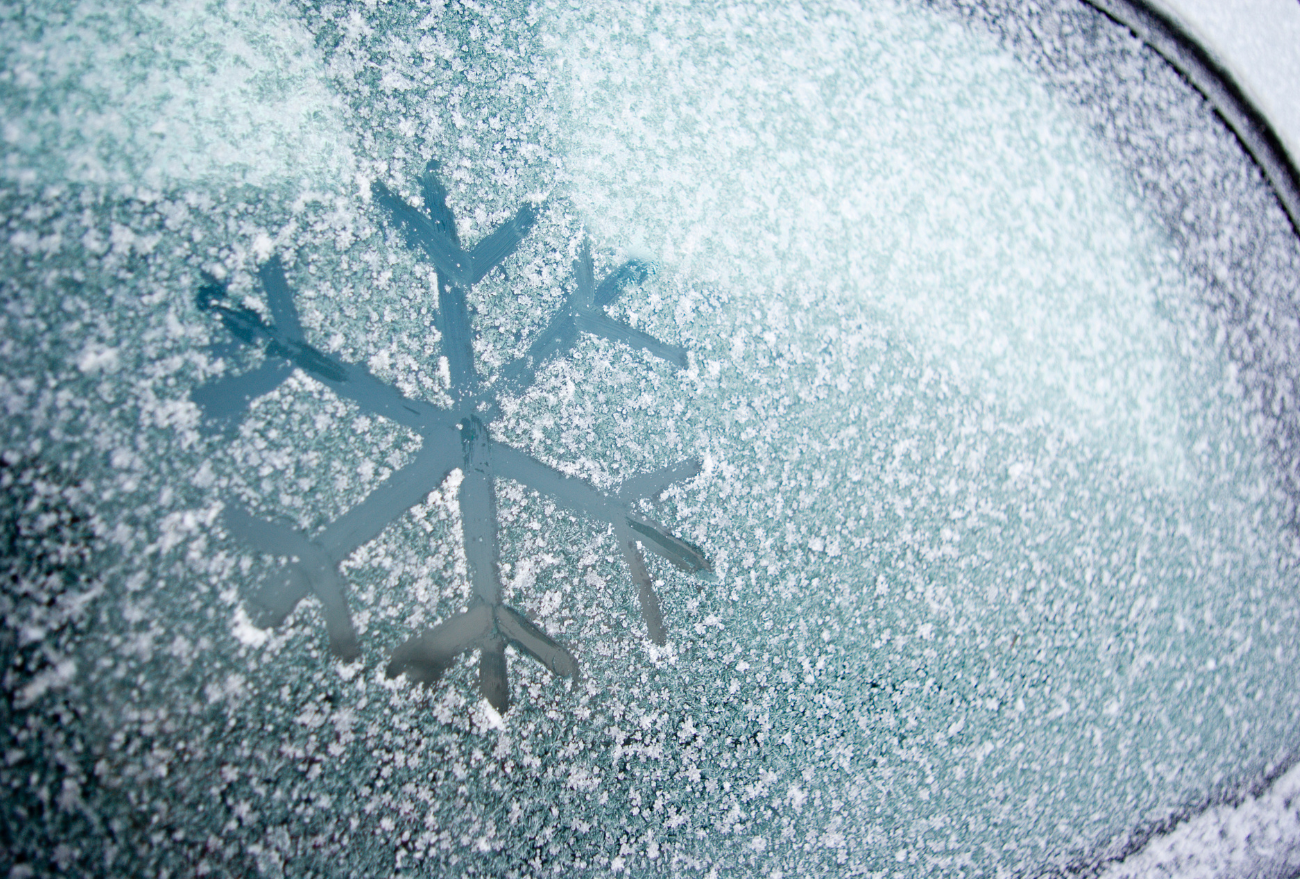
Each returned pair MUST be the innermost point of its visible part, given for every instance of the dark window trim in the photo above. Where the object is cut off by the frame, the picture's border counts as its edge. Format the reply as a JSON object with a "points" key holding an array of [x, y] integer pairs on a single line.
{"points": [[1207, 75]]}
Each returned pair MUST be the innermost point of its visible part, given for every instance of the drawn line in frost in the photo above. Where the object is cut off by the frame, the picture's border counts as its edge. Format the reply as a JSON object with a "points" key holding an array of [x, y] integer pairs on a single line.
{"points": [[450, 438]]}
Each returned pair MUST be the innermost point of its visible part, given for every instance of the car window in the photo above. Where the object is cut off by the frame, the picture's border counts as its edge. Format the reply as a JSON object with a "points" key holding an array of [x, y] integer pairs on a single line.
{"points": [[732, 439]]}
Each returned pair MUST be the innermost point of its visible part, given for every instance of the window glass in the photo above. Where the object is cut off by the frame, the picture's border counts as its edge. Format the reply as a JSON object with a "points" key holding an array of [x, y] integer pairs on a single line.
{"points": [[702, 439]]}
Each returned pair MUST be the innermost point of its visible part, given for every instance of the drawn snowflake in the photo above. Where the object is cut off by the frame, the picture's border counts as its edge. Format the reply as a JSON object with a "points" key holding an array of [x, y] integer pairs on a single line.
{"points": [[450, 438]]}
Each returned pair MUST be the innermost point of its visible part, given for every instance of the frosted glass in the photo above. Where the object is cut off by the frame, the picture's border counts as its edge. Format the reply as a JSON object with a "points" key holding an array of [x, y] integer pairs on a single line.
{"points": [[579, 441]]}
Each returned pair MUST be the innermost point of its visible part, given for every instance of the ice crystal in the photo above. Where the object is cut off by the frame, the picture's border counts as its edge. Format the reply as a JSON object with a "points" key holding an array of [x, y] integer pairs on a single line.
{"points": [[458, 436]]}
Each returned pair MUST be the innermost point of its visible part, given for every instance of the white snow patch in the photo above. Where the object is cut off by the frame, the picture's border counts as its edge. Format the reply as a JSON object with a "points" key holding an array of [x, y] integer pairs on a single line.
{"points": [[488, 717], [96, 357], [159, 93], [245, 632], [988, 232], [50, 679]]}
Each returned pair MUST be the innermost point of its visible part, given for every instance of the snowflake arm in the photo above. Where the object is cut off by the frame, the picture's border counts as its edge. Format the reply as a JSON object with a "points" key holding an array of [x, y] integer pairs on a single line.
{"points": [[631, 529], [425, 657], [649, 485], [433, 231], [313, 561], [605, 327], [428, 655], [309, 567], [403, 489], [286, 350], [582, 497], [279, 299], [225, 400], [653, 484], [589, 315], [486, 628], [478, 509], [582, 311]]}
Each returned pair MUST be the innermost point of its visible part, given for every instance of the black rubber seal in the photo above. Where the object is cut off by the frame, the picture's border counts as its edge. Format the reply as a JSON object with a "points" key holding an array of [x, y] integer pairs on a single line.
{"points": [[1204, 72], [1207, 75]]}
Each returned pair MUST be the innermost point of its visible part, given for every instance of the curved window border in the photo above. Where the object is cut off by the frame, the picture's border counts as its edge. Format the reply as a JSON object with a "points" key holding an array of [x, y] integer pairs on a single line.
{"points": [[1207, 74], [1159, 30]]}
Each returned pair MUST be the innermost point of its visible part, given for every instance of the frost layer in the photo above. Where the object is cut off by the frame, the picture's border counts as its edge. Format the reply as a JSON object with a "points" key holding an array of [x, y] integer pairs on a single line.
{"points": [[1004, 555], [161, 94]]}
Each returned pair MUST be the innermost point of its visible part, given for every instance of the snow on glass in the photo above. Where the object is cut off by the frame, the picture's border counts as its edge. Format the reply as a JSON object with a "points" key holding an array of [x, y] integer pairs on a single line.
{"points": [[455, 437], [1001, 584]]}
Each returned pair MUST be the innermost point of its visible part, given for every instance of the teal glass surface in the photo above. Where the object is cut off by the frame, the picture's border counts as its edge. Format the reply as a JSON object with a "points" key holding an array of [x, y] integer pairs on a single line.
{"points": [[529, 440]]}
